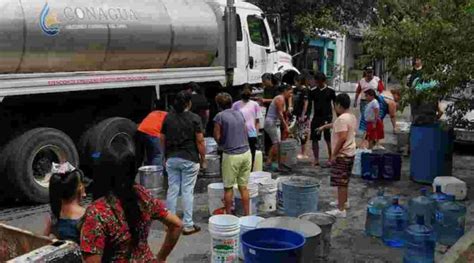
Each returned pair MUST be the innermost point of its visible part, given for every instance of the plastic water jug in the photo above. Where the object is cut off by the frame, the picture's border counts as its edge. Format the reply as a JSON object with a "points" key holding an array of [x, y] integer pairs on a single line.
{"points": [[395, 222], [438, 197], [450, 221], [375, 207], [420, 243], [422, 205]]}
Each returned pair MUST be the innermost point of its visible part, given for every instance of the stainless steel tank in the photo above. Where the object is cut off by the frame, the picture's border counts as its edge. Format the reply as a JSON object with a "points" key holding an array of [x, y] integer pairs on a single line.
{"points": [[89, 35]]}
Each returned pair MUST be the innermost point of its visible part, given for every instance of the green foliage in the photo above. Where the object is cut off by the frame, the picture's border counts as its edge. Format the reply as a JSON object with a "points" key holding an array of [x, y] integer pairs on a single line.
{"points": [[440, 32], [315, 24]]}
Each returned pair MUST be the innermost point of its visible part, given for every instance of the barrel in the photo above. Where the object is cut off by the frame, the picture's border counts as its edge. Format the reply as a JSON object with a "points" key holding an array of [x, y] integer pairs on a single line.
{"points": [[300, 195], [225, 235], [211, 146], [272, 245], [151, 177], [309, 230], [247, 223], [325, 222], [215, 195], [213, 166], [253, 194], [289, 152], [431, 153]]}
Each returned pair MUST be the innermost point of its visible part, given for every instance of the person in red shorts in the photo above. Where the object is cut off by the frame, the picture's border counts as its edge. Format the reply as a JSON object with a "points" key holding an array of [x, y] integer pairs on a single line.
{"points": [[375, 127]]}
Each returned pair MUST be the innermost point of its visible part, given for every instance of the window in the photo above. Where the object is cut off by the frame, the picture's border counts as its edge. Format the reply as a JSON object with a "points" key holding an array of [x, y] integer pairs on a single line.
{"points": [[258, 31], [239, 28]]}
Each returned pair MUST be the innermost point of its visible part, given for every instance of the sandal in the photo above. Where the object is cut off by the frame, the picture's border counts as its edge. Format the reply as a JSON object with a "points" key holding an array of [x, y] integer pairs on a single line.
{"points": [[195, 229]]}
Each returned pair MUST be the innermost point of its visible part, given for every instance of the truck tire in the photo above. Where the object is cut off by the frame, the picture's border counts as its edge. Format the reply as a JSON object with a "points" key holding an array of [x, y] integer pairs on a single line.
{"points": [[32, 154], [114, 134]]}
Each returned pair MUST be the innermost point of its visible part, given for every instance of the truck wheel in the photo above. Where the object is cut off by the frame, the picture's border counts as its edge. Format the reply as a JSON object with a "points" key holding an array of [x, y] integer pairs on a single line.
{"points": [[32, 155], [114, 134]]}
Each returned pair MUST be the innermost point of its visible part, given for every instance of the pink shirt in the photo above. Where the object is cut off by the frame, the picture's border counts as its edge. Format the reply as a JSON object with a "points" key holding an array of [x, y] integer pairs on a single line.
{"points": [[251, 111], [345, 122]]}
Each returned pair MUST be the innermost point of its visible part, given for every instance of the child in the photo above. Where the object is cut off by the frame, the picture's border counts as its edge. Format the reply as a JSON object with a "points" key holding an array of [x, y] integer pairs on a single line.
{"points": [[374, 124], [66, 191], [343, 146]]}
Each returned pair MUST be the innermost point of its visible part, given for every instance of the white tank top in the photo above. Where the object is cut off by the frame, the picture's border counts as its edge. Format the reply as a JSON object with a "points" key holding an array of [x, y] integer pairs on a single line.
{"points": [[366, 85]]}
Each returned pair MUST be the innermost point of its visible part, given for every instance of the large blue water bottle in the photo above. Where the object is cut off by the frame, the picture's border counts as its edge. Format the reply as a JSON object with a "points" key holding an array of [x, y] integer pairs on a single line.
{"points": [[420, 244], [450, 221], [438, 196], [395, 222], [422, 205], [375, 207]]}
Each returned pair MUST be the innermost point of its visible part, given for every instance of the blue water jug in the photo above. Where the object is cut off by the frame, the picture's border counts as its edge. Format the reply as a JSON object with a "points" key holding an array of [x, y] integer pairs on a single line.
{"points": [[420, 243], [438, 196], [395, 222], [422, 205], [450, 221], [375, 207]]}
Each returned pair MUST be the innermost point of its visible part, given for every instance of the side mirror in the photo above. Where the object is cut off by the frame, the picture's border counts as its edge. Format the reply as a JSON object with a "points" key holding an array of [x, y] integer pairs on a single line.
{"points": [[274, 21]]}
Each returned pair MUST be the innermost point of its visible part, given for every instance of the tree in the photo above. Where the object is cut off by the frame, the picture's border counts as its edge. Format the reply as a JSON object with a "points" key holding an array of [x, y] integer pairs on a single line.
{"points": [[303, 19], [440, 33]]}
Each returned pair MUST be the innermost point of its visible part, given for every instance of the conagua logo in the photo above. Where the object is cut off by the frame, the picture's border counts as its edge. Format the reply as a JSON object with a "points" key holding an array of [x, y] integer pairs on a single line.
{"points": [[49, 23]]}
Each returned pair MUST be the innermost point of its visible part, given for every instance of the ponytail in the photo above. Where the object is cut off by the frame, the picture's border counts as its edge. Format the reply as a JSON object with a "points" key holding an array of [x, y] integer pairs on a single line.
{"points": [[63, 187]]}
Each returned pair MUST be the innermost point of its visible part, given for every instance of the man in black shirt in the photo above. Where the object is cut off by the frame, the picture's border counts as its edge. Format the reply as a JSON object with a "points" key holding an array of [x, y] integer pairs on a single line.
{"points": [[322, 98]]}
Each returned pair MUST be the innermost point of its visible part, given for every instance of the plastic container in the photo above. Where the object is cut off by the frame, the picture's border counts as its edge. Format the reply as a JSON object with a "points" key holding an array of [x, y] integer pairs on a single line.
{"points": [[391, 167], [300, 195], [151, 177], [422, 205], [272, 245], [280, 202], [309, 230], [325, 222], [211, 146], [371, 166], [431, 153], [267, 195], [420, 244], [375, 208], [289, 152], [357, 167], [213, 166], [438, 196], [256, 177], [395, 222], [451, 185], [215, 194], [450, 221], [247, 223], [258, 164], [225, 235], [253, 194]]}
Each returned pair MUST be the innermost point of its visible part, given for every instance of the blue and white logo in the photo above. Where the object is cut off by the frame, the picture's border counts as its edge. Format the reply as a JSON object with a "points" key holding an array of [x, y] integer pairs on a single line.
{"points": [[49, 22]]}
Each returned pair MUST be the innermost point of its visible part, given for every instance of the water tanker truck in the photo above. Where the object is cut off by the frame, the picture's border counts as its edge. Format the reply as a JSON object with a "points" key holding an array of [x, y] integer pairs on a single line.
{"points": [[76, 76]]}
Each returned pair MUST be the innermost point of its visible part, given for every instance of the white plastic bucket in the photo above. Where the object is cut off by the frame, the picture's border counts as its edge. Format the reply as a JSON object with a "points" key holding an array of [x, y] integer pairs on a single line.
{"points": [[248, 223], [256, 177], [225, 235], [267, 194], [215, 194], [253, 195], [280, 205]]}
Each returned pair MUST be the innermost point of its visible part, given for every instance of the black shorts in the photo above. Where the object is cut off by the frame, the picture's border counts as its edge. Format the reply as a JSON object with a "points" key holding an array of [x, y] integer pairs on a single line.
{"points": [[315, 124]]}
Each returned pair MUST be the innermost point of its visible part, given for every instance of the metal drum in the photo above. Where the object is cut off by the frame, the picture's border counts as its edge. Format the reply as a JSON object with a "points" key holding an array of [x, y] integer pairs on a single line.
{"points": [[151, 177], [309, 230], [213, 166], [93, 35], [325, 222]]}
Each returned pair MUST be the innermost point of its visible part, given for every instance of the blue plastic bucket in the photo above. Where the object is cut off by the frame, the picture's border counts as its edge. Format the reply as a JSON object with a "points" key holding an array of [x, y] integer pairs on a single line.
{"points": [[300, 195], [272, 245]]}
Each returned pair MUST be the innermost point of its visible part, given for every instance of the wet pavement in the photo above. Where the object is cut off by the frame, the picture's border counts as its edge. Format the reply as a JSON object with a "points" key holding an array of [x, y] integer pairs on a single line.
{"points": [[349, 242]]}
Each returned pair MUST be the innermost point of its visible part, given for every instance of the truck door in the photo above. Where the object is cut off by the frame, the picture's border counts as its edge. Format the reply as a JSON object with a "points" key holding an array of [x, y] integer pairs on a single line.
{"points": [[258, 45]]}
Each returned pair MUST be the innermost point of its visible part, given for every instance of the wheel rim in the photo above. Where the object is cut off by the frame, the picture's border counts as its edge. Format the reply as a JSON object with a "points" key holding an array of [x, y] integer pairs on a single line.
{"points": [[121, 142], [42, 163]]}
